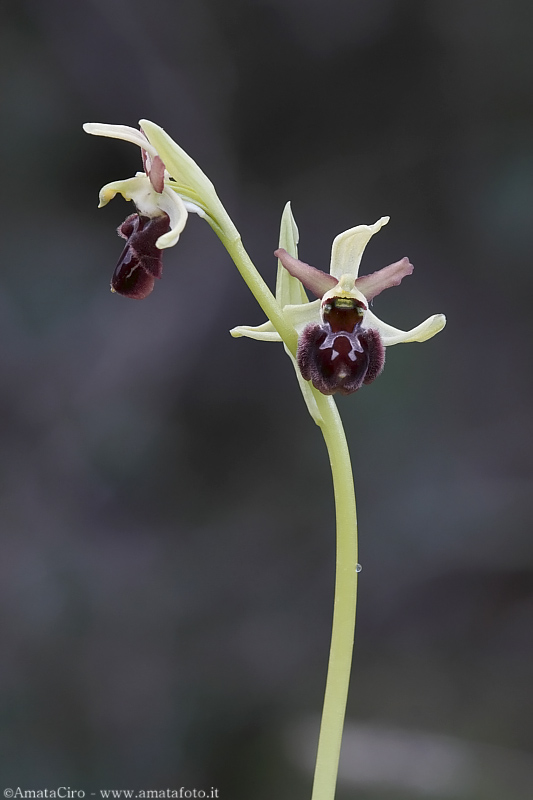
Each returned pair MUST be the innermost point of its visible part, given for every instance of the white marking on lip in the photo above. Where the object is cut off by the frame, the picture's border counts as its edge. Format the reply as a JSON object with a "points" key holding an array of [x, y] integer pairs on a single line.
{"points": [[132, 270]]}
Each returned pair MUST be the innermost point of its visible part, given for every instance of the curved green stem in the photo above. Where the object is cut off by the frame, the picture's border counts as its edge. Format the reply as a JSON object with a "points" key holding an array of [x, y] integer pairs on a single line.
{"points": [[340, 658], [342, 635], [259, 289]]}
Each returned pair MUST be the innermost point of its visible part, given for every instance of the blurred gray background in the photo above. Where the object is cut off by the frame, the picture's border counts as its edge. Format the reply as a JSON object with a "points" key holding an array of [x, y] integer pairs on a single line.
{"points": [[167, 530]]}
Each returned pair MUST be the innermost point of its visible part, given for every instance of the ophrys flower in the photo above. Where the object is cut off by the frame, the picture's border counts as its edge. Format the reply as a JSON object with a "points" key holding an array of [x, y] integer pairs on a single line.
{"points": [[170, 186], [341, 342]]}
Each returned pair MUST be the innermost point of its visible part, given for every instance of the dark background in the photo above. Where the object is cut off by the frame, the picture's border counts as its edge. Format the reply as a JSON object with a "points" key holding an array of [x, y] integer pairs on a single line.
{"points": [[167, 529]]}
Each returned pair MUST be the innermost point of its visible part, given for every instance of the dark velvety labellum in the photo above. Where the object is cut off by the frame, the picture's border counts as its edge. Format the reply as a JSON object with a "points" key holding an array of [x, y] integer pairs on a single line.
{"points": [[340, 361], [141, 262]]}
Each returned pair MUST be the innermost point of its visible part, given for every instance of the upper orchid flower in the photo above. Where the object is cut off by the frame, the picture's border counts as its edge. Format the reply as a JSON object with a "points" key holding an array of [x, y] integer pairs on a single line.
{"points": [[171, 185], [341, 342]]}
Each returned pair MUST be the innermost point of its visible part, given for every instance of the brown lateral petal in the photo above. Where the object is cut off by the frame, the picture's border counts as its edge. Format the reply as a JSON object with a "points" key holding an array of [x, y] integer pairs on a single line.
{"points": [[157, 174], [155, 169], [374, 284], [312, 278]]}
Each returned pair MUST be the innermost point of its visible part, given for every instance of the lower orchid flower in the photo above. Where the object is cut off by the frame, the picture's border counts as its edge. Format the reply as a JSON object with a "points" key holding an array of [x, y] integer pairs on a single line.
{"points": [[341, 342]]}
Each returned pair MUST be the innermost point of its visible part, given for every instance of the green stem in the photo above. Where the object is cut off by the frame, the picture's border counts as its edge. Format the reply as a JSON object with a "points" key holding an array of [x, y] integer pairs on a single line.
{"points": [[259, 289], [342, 636]]}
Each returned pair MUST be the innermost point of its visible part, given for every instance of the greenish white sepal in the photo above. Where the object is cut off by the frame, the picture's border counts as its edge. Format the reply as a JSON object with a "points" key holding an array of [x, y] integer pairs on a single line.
{"points": [[289, 290], [348, 248], [389, 335], [261, 333]]}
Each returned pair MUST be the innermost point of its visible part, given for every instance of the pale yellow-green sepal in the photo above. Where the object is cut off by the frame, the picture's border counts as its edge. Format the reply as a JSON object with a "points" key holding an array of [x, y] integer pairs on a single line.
{"points": [[123, 132], [289, 290], [262, 333], [130, 189], [291, 293], [302, 314], [348, 248], [389, 335]]}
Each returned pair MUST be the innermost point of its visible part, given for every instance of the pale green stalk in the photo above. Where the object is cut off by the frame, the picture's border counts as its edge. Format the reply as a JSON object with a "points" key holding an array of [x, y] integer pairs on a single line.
{"points": [[342, 635], [259, 288], [340, 658]]}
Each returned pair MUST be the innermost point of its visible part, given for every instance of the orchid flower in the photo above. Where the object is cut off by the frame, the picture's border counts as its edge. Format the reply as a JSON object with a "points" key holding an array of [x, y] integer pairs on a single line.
{"points": [[341, 342], [171, 186]]}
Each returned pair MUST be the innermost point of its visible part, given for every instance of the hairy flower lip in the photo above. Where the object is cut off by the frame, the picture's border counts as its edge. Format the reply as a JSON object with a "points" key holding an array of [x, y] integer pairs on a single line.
{"points": [[141, 261], [339, 361]]}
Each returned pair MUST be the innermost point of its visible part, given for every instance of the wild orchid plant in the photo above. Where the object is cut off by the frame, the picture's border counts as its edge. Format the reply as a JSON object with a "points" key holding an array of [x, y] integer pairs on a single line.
{"points": [[335, 343]]}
